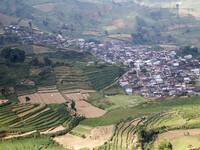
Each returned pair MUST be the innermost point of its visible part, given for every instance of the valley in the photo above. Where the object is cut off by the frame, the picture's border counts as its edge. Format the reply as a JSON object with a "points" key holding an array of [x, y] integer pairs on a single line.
{"points": [[99, 75]]}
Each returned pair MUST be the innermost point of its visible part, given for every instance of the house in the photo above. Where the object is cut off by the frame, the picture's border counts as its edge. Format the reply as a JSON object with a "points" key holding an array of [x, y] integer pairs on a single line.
{"points": [[188, 57], [129, 91]]}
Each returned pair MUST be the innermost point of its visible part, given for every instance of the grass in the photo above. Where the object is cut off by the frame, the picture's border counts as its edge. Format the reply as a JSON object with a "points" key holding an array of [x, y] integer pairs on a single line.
{"points": [[125, 101], [83, 129], [145, 108], [185, 142], [114, 90]]}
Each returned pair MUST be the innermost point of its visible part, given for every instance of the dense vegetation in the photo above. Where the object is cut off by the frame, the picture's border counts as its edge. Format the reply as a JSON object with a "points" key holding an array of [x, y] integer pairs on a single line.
{"points": [[30, 142]]}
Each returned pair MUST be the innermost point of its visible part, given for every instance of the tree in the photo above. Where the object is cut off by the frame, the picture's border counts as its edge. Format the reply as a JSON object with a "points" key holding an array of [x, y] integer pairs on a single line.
{"points": [[143, 70], [13, 55], [106, 32], [165, 145], [47, 61], [30, 24], [27, 98], [177, 8], [73, 105], [35, 62]]}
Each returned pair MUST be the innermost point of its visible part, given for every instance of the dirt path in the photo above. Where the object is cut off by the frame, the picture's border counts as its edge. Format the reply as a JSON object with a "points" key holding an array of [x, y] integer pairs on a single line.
{"points": [[30, 117], [172, 134], [53, 130], [19, 135], [98, 137]]}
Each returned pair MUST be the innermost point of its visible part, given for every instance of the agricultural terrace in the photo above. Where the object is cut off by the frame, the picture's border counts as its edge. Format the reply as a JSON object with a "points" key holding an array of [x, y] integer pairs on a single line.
{"points": [[45, 95], [69, 78], [17, 118], [30, 142], [76, 140], [165, 115], [124, 136], [80, 97], [181, 139], [101, 75]]}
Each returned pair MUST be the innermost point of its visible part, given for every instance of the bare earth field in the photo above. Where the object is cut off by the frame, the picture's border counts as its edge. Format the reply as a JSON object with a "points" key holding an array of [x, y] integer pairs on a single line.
{"points": [[7, 20], [172, 134], [88, 110], [3, 101], [45, 7], [46, 98], [44, 95], [125, 37], [98, 137]]}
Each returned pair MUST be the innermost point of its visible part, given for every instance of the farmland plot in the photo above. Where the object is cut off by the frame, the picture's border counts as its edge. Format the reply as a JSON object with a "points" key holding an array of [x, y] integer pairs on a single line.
{"points": [[69, 78], [88, 110], [98, 137], [44, 95]]}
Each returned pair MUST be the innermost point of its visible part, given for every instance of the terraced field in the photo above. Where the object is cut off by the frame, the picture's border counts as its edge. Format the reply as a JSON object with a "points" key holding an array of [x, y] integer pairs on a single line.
{"points": [[19, 118], [104, 77], [30, 142], [71, 78], [124, 137], [45, 95]]}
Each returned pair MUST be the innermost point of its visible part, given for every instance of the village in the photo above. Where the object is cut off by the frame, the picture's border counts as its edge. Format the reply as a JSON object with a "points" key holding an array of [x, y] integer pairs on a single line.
{"points": [[151, 73]]}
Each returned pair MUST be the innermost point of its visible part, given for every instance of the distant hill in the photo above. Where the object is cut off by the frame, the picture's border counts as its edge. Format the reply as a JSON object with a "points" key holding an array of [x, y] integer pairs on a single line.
{"points": [[108, 19]]}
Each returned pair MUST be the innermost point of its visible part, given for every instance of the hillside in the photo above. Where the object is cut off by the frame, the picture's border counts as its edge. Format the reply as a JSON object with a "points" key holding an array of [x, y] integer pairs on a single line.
{"points": [[157, 21]]}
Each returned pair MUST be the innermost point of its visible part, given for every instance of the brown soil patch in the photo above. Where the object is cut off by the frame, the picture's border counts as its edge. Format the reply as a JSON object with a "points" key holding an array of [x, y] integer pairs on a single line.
{"points": [[126, 37], [109, 28], [46, 98], [34, 71], [169, 47], [25, 23], [93, 14], [95, 33], [98, 137], [78, 91], [40, 49], [3, 101], [2, 31], [45, 7], [172, 134], [89, 111], [53, 130], [28, 82], [7, 20], [118, 23], [20, 135], [170, 28]]}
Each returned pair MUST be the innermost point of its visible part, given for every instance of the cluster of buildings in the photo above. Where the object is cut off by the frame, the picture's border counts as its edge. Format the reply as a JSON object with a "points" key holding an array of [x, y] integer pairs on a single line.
{"points": [[151, 73]]}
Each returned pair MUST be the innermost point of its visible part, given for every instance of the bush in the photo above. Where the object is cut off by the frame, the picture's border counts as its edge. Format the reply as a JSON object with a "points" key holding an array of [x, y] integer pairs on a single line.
{"points": [[13, 55], [165, 145]]}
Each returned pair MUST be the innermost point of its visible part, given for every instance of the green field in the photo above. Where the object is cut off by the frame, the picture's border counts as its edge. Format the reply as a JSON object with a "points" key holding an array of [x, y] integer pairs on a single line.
{"points": [[125, 101], [31, 142], [21, 118], [183, 142]]}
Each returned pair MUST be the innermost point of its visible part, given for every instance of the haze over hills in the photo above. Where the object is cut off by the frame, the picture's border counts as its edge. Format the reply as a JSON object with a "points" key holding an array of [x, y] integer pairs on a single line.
{"points": [[159, 22]]}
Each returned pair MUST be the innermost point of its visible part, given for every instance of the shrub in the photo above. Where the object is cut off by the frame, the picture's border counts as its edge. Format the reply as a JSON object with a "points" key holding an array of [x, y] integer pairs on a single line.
{"points": [[165, 145]]}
